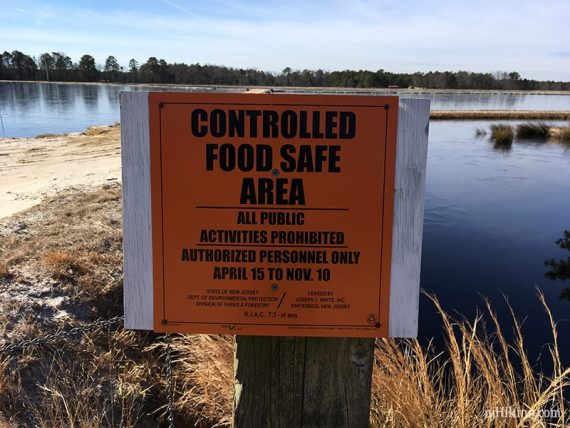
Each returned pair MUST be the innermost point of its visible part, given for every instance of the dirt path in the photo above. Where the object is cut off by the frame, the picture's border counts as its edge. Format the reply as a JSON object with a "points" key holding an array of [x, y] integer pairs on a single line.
{"points": [[33, 168]]}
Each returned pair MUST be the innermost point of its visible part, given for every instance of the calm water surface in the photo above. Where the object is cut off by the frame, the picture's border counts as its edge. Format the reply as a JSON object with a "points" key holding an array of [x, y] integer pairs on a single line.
{"points": [[492, 217], [28, 109]]}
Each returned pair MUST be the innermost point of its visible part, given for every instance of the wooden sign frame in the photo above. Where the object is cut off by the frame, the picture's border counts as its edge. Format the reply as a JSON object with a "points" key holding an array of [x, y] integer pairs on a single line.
{"points": [[409, 184]]}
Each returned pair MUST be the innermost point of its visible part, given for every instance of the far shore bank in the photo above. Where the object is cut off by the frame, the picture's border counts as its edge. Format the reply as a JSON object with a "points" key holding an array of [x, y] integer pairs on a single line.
{"points": [[303, 89], [498, 114]]}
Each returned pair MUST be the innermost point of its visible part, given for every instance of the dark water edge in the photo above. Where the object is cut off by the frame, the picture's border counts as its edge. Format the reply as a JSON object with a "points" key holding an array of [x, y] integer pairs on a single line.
{"points": [[491, 220]]}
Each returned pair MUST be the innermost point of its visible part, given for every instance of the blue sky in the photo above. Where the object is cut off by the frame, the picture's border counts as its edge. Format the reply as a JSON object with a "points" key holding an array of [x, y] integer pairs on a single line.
{"points": [[396, 35]]}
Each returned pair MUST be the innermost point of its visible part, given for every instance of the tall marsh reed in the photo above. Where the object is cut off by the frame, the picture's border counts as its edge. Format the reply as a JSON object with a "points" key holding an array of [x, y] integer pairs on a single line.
{"points": [[478, 380], [502, 134], [536, 131]]}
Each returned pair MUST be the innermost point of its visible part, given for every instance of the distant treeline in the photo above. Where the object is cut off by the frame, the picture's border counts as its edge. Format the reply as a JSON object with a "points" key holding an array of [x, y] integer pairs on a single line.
{"points": [[56, 66]]}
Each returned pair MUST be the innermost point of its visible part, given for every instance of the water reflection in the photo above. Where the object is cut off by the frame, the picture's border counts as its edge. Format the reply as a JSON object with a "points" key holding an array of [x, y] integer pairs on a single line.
{"points": [[491, 218], [32, 108], [495, 101], [560, 269], [89, 94], [57, 99], [25, 95], [502, 147], [111, 95]]}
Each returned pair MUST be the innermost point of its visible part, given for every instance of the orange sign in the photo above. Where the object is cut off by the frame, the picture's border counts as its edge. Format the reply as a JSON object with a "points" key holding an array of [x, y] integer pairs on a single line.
{"points": [[272, 214]]}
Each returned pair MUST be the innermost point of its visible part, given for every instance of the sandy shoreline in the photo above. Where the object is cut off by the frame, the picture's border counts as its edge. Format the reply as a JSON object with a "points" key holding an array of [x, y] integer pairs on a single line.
{"points": [[34, 168]]}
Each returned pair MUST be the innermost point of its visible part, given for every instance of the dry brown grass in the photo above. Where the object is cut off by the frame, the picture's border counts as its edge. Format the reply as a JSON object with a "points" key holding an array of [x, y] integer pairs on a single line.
{"points": [[562, 134], [533, 131], [414, 386], [60, 265], [69, 248], [502, 134], [112, 390], [117, 378], [499, 114], [4, 270], [204, 373], [10, 388], [93, 381], [76, 240]]}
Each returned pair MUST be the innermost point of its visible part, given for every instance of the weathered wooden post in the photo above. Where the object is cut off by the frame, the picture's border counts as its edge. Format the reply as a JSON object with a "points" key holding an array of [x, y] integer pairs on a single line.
{"points": [[302, 381], [292, 221]]}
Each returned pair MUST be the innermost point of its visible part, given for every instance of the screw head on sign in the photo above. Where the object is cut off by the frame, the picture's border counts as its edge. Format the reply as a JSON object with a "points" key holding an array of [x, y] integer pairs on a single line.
{"points": [[274, 287], [275, 172]]}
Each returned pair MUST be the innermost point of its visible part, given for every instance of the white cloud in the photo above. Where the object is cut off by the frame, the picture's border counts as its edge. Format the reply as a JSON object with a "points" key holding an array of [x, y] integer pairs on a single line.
{"points": [[393, 35]]}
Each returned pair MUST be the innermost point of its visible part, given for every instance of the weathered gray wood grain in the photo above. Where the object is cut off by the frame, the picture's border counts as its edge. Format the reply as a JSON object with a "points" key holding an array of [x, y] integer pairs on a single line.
{"points": [[411, 158], [137, 237], [287, 382]]}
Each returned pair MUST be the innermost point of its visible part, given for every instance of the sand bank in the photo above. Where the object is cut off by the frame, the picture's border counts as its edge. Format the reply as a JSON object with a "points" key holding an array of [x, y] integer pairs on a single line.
{"points": [[33, 168]]}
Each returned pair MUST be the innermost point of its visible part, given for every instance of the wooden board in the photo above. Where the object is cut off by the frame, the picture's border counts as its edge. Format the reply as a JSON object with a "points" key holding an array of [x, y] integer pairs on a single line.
{"points": [[137, 239]]}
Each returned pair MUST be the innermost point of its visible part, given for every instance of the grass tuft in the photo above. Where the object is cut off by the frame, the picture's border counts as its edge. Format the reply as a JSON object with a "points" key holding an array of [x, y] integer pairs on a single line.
{"points": [[48, 135], [60, 265], [534, 131], [562, 134], [463, 384], [204, 378], [4, 270], [502, 134]]}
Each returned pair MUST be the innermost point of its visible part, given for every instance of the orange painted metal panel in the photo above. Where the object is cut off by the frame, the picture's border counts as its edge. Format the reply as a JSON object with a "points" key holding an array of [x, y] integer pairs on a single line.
{"points": [[272, 214]]}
